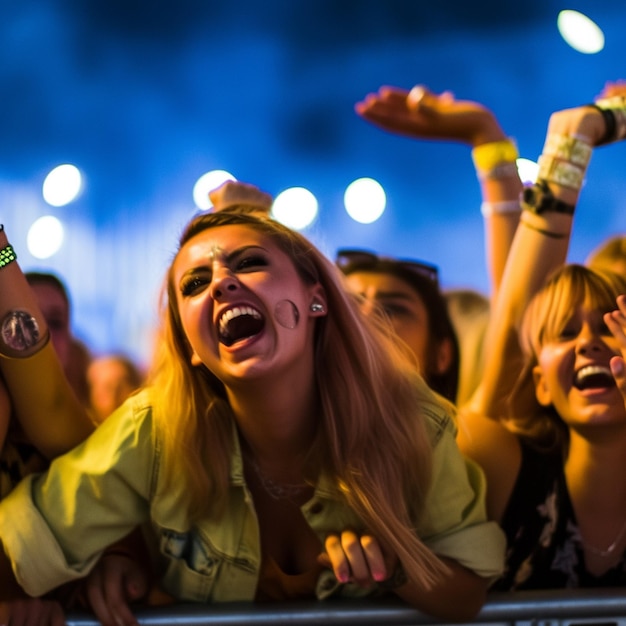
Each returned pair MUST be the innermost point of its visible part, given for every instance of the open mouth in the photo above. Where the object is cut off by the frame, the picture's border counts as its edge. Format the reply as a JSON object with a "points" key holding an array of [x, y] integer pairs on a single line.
{"points": [[593, 377], [238, 323]]}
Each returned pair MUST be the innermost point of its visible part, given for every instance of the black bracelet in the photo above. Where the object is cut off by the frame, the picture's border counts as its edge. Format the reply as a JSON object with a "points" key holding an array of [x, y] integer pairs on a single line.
{"points": [[609, 122], [543, 231], [538, 198]]}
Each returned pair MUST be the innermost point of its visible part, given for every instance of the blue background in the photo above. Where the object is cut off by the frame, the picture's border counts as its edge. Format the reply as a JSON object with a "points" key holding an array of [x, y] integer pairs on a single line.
{"points": [[147, 96]]}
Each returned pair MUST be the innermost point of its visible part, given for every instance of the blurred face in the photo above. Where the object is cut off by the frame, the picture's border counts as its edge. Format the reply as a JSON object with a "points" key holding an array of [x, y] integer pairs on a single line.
{"points": [[56, 313], [109, 386], [573, 372], [399, 302], [244, 308]]}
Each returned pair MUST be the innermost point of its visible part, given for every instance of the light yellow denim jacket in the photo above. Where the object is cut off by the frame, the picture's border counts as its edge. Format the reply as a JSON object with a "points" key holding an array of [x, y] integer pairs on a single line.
{"points": [[54, 526]]}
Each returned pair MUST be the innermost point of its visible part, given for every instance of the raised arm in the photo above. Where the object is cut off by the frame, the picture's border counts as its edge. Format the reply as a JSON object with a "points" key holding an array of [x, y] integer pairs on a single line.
{"points": [[539, 247], [43, 401], [421, 114]]}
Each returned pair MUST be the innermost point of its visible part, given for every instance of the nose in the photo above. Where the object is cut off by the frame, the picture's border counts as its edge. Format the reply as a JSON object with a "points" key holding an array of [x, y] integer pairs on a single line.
{"points": [[588, 341], [223, 281]]}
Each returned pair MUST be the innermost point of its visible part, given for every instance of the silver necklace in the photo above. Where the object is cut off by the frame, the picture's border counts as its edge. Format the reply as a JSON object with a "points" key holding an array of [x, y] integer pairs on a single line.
{"points": [[607, 551], [274, 489]]}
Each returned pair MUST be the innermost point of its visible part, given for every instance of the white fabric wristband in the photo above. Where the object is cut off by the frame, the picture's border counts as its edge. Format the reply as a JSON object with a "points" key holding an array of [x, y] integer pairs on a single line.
{"points": [[500, 208]]}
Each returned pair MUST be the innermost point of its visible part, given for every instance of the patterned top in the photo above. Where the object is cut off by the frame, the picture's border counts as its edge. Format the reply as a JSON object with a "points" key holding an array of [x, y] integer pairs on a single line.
{"points": [[545, 550]]}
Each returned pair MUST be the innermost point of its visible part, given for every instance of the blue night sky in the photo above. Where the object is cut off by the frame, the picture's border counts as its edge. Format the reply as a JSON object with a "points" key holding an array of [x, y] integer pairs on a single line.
{"points": [[147, 96]]}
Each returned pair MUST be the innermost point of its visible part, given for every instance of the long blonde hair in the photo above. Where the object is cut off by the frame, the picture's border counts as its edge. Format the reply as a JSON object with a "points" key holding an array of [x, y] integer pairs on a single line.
{"points": [[371, 440], [569, 288]]}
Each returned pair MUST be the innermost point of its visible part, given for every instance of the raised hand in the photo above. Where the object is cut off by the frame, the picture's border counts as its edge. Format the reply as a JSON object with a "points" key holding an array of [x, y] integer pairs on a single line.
{"points": [[233, 193], [422, 114], [616, 322]]}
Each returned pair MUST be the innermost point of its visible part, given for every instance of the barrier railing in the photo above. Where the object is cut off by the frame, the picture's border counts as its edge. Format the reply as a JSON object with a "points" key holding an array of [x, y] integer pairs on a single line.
{"points": [[600, 607]]}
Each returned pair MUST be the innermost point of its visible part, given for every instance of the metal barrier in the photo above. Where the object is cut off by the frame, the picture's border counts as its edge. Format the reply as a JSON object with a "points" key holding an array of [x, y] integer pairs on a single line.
{"points": [[580, 607]]}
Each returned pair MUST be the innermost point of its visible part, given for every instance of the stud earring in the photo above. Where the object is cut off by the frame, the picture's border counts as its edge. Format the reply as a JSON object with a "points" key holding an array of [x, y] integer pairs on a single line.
{"points": [[316, 307]]}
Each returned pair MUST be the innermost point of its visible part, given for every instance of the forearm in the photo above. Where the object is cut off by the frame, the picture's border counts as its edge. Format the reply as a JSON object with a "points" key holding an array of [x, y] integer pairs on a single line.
{"points": [[539, 247], [44, 403], [459, 596], [42, 399], [18, 296], [496, 169]]}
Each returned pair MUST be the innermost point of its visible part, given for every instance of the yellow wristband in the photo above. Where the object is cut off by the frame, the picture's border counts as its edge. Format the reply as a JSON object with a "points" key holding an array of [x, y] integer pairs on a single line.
{"points": [[488, 156]]}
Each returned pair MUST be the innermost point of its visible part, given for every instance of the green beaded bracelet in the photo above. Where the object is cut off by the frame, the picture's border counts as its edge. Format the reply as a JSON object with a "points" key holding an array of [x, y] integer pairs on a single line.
{"points": [[7, 255]]}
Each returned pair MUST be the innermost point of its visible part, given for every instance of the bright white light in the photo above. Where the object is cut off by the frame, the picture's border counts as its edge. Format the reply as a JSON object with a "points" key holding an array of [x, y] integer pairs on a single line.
{"points": [[527, 170], [365, 200], [580, 32], [45, 237], [295, 207], [208, 182], [62, 185]]}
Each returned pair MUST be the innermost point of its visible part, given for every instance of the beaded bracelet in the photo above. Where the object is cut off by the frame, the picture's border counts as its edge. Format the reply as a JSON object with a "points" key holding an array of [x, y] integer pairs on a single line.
{"points": [[7, 255]]}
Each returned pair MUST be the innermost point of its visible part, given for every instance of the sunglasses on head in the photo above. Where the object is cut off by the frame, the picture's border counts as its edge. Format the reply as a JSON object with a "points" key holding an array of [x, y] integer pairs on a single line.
{"points": [[347, 258]]}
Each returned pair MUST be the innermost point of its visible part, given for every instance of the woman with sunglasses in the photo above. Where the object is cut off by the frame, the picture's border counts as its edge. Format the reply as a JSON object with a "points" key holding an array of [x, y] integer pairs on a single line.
{"points": [[285, 449], [407, 293]]}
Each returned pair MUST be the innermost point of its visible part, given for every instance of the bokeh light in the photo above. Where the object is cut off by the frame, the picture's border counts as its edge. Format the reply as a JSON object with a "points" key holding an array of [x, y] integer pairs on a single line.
{"points": [[580, 32], [62, 185], [45, 237], [295, 207], [206, 183], [527, 170], [365, 200]]}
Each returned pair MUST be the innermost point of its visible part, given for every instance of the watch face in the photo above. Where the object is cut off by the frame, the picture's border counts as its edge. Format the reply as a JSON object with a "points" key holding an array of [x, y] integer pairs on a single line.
{"points": [[20, 330]]}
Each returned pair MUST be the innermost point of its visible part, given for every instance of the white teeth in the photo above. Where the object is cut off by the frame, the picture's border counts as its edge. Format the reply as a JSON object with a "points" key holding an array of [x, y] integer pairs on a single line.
{"points": [[591, 370], [236, 312]]}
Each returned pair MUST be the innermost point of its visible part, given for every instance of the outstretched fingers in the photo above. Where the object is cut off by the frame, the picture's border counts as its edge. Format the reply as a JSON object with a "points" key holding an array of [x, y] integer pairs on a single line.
{"points": [[616, 322]]}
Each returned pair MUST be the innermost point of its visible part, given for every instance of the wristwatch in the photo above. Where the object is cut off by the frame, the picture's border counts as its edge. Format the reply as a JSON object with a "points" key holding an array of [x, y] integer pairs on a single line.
{"points": [[19, 330], [538, 198]]}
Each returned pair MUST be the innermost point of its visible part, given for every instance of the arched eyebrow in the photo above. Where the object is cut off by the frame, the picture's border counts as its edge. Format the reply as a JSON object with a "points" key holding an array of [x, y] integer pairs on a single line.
{"points": [[228, 259]]}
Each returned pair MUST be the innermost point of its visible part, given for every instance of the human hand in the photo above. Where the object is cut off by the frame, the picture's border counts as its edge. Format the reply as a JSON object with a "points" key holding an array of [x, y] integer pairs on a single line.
{"points": [[28, 611], [116, 581], [613, 89], [616, 322], [358, 559], [586, 121], [422, 114], [234, 192]]}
